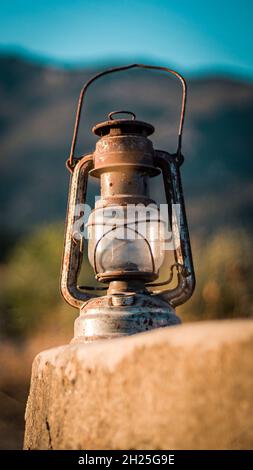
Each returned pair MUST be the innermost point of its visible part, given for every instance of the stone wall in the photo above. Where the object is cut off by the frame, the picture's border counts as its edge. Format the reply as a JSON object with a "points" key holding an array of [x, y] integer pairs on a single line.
{"points": [[181, 387]]}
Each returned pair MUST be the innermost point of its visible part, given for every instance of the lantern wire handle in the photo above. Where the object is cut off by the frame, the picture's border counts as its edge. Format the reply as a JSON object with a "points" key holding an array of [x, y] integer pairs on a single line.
{"points": [[71, 160]]}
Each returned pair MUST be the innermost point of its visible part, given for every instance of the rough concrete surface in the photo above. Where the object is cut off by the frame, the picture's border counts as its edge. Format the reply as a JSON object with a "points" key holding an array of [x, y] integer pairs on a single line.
{"points": [[181, 387]]}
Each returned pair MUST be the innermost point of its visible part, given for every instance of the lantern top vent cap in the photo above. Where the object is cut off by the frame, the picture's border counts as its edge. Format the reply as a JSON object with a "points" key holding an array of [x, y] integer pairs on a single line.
{"points": [[122, 126]]}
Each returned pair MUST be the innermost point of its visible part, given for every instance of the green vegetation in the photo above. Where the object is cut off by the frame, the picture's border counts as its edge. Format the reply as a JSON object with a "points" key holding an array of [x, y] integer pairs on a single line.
{"points": [[224, 275], [30, 300], [30, 293]]}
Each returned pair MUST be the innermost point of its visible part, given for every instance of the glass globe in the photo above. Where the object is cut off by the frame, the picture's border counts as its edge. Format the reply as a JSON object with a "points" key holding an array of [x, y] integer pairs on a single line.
{"points": [[126, 240]]}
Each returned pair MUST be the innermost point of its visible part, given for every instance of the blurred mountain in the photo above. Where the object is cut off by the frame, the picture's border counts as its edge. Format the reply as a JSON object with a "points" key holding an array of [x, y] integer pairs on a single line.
{"points": [[37, 113]]}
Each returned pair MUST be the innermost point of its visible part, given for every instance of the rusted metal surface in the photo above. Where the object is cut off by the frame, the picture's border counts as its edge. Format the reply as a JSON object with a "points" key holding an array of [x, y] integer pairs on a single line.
{"points": [[114, 315], [170, 166], [124, 163], [124, 160], [72, 255], [124, 145], [123, 126], [71, 160]]}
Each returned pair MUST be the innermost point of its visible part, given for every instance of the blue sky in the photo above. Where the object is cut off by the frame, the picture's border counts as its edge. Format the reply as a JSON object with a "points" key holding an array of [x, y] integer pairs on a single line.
{"points": [[191, 34]]}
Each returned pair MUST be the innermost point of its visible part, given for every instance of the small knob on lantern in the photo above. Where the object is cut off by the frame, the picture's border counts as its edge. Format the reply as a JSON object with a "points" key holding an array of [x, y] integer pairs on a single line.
{"points": [[112, 113]]}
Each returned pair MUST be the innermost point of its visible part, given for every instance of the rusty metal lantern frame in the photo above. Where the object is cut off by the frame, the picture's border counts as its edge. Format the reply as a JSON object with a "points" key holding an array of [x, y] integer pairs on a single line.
{"points": [[112, 315]]}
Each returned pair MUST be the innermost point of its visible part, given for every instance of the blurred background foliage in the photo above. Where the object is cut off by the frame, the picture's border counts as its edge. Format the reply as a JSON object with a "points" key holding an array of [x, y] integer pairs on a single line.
{"points": [[38, 97], [36, 121], [224, 275], [30, 299], [30, 292]]}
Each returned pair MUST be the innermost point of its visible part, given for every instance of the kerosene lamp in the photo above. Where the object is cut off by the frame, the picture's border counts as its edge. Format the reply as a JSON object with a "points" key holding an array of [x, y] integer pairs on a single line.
{"points": [[124, 257]]}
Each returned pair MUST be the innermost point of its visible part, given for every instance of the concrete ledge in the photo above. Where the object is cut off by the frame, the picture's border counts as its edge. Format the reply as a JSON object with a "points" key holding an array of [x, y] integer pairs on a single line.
{"points": [[181, 387]]}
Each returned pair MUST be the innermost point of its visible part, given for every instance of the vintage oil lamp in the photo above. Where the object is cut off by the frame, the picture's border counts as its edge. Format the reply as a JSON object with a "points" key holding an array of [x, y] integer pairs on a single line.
{"points": [[122, 255]]}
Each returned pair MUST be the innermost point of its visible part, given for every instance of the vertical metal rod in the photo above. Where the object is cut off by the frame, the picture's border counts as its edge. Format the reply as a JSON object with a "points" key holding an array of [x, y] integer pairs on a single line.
{"points": [[174, 193], [72, 255]]}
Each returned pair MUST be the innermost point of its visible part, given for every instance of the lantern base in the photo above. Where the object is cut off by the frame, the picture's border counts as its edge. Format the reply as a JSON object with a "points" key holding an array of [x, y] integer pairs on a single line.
{"points": [[113, 316]]}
